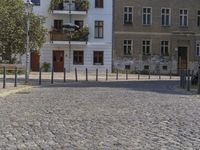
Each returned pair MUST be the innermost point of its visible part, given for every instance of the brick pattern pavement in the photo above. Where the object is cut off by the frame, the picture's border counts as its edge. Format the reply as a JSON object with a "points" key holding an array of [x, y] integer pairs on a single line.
{"points": [[110, 116]]}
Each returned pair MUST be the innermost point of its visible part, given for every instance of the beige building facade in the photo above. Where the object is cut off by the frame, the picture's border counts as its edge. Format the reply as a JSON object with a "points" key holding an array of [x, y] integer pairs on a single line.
{"points": [[156, 35]]}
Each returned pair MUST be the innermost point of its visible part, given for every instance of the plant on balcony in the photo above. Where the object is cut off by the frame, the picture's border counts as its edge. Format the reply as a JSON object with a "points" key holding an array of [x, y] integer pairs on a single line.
{"points": [[54, 4], [81, 34], [84, 5]]}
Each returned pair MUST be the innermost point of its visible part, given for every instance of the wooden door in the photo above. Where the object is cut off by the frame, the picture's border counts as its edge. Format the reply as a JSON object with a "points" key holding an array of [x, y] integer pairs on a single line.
{"points": [[35, 61], [58, 61], [182, 58]]}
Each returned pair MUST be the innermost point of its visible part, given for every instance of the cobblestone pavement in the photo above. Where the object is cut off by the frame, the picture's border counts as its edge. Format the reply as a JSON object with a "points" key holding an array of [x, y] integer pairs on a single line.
{"points": [[143, 115]]}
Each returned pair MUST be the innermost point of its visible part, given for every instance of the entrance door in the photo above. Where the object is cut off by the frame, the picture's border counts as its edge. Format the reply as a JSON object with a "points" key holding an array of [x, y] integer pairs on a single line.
{"points": [[35, 61], [182, 58], [58, 61]]}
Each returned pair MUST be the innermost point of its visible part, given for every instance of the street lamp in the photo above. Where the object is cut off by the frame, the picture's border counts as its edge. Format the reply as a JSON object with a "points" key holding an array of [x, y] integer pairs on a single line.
{"points": [[28, 11]]}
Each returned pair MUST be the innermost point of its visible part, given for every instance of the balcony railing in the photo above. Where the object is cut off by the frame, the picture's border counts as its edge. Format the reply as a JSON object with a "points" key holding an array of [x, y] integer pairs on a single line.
{"points": [[80, 36], [77, 5]]}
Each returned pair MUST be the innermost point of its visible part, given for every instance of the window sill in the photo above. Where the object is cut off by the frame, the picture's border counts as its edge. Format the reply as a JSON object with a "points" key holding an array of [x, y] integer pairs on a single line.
{"points": [[98, 64]]}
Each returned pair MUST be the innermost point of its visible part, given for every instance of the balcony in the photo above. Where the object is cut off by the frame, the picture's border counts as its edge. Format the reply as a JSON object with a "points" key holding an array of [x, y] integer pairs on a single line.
{"points": [[77, 7], [77, 37]]}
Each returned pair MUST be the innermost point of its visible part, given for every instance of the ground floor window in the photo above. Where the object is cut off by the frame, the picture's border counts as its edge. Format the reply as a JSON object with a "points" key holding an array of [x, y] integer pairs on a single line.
{"points": [[78, 58], [198, 48], [98, 58]]}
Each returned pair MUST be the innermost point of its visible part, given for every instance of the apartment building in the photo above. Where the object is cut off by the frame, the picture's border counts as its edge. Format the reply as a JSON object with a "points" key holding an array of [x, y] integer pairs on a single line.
{"points": [[88, 46], [156, 35]]}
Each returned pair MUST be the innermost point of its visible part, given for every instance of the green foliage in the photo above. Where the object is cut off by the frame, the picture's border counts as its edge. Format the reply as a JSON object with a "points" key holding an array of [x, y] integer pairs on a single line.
{"points": [[45, 66], [54, 4], [13, 30]]}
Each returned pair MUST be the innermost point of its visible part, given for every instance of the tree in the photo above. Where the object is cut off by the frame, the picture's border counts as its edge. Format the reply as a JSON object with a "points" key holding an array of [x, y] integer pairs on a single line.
{"points": [[13, 30]]}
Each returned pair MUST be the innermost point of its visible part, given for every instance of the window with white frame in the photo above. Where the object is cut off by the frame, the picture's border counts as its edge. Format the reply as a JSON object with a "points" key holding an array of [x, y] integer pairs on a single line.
{"points": [[146, 47], [183, 17], [165, 16], [198, 18], [198, 48], [164, 47], [128, 15], [128, 45], [147, 16]]}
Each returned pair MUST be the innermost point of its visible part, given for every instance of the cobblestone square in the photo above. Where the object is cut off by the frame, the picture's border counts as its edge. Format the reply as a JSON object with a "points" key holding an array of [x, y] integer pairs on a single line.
{"points": [[122, 115]]}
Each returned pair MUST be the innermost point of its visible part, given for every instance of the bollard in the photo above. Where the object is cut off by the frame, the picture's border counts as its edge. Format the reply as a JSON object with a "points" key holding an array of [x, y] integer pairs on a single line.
{"points": [[40, 76], [52, 75], [184, 78], [96, 74], [117, 75], [170, 74], [76, 75], [149, 75], [181, 78], [64, 76], [86, 74], [106, 74], [138, 75], [198, 92], [126, 74], [4, 77], [159, 75], [188, 80], [15, 84]]}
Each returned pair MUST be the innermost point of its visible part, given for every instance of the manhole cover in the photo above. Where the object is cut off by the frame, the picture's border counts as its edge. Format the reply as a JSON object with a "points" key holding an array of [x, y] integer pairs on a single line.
{"points": [[23, 93]]}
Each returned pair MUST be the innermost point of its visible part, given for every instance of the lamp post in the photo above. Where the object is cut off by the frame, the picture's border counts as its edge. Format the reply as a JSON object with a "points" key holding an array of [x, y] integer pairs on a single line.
{"points": [[28, 10]]}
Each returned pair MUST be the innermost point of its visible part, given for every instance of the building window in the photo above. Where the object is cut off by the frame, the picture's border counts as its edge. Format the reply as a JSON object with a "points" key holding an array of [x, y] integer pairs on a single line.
{"points": [[164, 46], [98, 58], [128, 47], [147, 16], [198, 18], [146, 47], [164, 67], [99, 3], [198, 48], [166, 16], [183, 17], [146, 67], [36, 2], [58, 24], [128, 15], [78, 58], [79, 23], [99, 29]]}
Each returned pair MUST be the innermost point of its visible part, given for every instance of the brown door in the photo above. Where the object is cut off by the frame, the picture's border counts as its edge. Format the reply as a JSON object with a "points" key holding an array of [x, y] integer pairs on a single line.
{"points": [[58, 61], [182, 58], [35, 61]]}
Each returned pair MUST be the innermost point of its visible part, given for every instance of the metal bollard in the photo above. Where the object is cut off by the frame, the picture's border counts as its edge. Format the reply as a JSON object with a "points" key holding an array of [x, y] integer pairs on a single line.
{"points": [[76, 75], [15, 84], [4, 77], [149, 75], [117, 75], [106, 74], [198, 92], [52, 75], [170, 74], [96, 74], [188, 80], [40, 76], [138, 75], [64, 76], [126, 74], [86, 74]]}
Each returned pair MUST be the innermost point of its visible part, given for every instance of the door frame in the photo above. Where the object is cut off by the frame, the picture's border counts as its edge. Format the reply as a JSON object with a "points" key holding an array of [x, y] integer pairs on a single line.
{"points": [[187, 57], [61, 69]]}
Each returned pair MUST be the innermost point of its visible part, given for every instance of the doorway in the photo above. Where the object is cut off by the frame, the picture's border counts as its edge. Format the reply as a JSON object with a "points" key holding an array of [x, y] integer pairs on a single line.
{"points": [[35, 61], [182, 57], [58, 61]]}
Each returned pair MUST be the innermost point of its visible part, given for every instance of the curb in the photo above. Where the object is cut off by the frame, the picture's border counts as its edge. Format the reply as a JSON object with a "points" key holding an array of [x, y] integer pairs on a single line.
{"points": [[6, 92]]}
